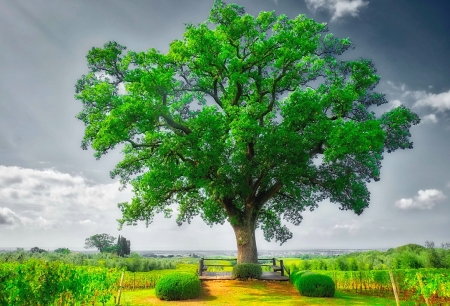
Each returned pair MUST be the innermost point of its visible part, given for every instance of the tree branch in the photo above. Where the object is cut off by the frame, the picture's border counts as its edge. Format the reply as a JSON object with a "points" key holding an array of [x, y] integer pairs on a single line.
{"points": [[172, 123], [265, 196]]}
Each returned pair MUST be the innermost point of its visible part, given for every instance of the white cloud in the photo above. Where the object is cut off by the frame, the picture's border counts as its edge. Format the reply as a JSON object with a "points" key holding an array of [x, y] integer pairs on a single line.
{"points": [[86, 222], [48, 198], [431, 118], [352, 226], [421, 101], [440, 101], [12, 219], [426, 199], [394, 104], [339, 8]]}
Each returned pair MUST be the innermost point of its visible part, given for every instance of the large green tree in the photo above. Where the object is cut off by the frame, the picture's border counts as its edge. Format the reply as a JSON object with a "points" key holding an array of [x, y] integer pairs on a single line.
{"points": [[248, 120]]}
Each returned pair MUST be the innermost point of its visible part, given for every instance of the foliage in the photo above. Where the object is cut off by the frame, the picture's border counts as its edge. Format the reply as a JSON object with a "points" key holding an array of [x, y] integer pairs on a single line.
{"points": [[405, 257], [243, 271], [144, 280], [436, 282], [295, 276], [316, 285], [123, 246], [102, 242], [106, 260], [37, 250], [62, 250], [37, 282], [178, 286], [408, 247], [246, 155]]}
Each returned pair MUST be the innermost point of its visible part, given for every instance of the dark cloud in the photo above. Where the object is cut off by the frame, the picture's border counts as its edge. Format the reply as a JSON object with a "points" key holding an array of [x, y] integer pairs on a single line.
{"points": [[7, 216], [6, 181]]}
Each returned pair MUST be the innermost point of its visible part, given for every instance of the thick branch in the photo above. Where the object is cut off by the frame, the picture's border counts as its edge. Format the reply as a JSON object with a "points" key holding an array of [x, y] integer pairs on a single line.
{"points": [[172, 123], [143, 145], [265, 196]]}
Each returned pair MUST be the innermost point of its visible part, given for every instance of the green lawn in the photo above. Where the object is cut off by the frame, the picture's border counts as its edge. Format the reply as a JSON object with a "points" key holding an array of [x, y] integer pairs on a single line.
{"points": [[228, 293]]}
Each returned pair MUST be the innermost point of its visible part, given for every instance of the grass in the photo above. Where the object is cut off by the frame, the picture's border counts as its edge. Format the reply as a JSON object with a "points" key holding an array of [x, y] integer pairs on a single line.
{"points": [[253, 292]]}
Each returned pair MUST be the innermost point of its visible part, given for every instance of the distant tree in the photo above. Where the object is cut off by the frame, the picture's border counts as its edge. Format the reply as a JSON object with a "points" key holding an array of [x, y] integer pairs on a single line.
{"points": [[102, 242], [429, 244], [62, 251], [123, 246], [445, 245], [37, 250], [246, 120]]}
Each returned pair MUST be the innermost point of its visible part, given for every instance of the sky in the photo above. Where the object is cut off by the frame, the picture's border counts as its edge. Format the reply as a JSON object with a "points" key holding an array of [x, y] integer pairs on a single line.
{"points": [[54, 194]]}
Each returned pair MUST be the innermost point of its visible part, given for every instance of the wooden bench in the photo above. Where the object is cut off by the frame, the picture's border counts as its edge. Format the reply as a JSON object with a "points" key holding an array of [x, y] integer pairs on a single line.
{"points": [[204, 268], [271, 266], [271, 263]]}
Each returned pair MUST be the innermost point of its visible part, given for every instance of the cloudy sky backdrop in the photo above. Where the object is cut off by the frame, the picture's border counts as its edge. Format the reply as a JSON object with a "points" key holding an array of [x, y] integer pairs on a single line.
{"points": [[53, 194]]}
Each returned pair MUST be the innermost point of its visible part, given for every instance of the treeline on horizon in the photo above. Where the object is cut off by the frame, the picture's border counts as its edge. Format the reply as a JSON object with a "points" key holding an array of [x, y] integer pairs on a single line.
{"points": [[133, 262], [410, 256]]}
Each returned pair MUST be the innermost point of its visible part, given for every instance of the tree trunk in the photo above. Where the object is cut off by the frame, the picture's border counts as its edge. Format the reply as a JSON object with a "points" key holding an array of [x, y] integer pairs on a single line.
{"points": [[246, 243]]}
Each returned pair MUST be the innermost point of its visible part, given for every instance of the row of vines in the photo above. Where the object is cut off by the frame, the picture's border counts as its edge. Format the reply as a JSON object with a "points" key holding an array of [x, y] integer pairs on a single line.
{"points": [[411, 284], [42, 283]]}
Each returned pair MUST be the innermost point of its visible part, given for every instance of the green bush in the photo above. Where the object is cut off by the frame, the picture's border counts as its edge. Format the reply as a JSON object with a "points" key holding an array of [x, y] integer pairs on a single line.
{"points": [[247, 270], [178, 286], [295, 276], [316, 285]]}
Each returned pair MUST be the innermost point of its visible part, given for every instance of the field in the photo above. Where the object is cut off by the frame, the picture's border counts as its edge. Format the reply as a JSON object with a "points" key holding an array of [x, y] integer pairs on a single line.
{"points": [[27, 278]]}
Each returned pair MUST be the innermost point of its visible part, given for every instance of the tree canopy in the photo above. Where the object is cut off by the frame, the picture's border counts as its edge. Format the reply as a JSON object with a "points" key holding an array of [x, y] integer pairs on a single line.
{"points": [[102, 242], [62, 250], [123, 246], [249, 120]]}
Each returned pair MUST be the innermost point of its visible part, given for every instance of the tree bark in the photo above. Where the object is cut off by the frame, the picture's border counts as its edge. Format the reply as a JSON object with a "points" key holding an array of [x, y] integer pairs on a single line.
{"points": [[246, 242]]}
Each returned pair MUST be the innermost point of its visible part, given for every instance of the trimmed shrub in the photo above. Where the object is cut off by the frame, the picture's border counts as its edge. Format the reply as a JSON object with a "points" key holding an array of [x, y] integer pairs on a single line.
{"points": [[315, 285], [295, 276], [245, 271], [178, 286]]}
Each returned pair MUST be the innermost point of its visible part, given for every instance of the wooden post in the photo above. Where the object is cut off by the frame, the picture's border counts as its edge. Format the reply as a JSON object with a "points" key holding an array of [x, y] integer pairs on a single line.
{"points": [[274, 262], [120, 289], [419, 277], [200, 267], [394, 288], [282, 267], [360, 282]]}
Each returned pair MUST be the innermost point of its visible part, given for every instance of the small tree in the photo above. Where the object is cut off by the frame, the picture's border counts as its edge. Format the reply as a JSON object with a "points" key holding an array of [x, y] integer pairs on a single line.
{"points": [[37, 250], [62, 251], [429, 244], [123, 246], [445, 245], [102, 242]]}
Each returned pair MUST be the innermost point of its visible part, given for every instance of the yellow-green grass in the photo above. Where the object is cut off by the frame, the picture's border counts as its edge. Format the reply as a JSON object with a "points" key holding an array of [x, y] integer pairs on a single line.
{"points": [[252, 292]]}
